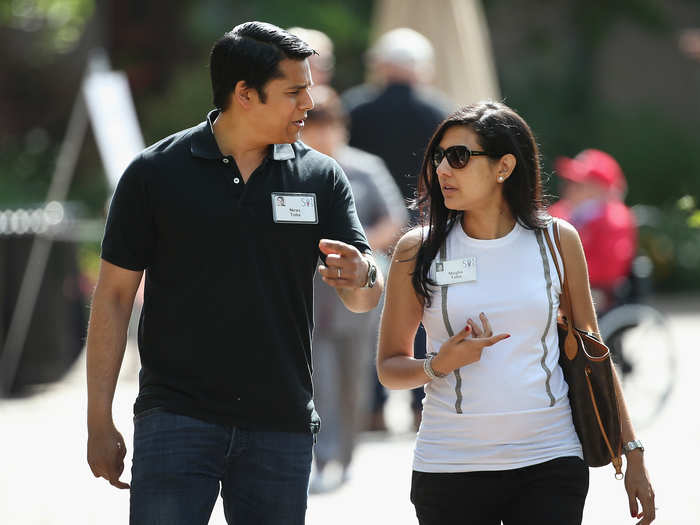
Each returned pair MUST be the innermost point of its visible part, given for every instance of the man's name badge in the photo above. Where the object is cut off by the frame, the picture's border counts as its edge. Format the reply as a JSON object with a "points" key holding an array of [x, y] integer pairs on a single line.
{"points": [[455, 271], [294, 208]]}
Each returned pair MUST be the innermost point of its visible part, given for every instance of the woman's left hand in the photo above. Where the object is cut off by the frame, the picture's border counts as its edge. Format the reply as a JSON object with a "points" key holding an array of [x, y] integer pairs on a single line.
{"points": [[639, 489]]}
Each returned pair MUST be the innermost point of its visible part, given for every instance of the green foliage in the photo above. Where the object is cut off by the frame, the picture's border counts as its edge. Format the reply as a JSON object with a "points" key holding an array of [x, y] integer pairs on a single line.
{"points": [[658, 154], [90, 187], [59, 23], [183, 104], [187, 96], [27, 167], [24, 168], [672, 240], [89, 260], [346, 22]]}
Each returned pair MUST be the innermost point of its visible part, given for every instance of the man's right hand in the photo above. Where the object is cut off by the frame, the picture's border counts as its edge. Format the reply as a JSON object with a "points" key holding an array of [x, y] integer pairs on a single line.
{"points": [[105, 453], [112, 303]]}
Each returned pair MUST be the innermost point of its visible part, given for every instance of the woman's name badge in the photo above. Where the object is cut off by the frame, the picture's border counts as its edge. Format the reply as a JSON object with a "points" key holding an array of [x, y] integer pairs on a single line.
{"points": [[294, 208], [455, 271]]}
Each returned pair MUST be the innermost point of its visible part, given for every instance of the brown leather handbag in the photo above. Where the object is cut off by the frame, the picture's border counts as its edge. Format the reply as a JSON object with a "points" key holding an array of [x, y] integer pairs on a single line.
{"points": [[587, 368]]}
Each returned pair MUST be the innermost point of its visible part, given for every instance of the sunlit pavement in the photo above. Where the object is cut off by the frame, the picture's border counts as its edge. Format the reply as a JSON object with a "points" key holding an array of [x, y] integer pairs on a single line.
{"points": [[44, 478]]}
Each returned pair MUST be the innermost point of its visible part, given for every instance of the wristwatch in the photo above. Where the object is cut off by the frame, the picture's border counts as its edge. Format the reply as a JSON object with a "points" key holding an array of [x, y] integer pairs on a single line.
{"points": [[371, 274], [632, 445]]}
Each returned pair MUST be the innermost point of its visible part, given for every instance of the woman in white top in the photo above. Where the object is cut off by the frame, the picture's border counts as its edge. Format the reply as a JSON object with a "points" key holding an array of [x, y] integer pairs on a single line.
{"points": [[497, 442]]}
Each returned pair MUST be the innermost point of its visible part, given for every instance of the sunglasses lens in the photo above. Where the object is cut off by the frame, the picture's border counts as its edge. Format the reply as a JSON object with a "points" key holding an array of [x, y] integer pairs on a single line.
{"points": [[457, 156], [438, 155]]}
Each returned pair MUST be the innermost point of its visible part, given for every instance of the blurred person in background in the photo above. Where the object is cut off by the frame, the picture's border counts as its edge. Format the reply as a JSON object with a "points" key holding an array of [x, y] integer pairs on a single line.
{"points": [[395, 115], [689, 43], [593, 202], [497, 440], [322, 63], [394, 118], [225, 399], [322, 67], [344, 343]]}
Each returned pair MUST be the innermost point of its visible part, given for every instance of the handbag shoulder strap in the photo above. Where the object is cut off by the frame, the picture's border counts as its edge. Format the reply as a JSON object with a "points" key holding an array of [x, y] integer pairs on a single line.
{"points": [[553, 253], [565, 301], [570, 345]]}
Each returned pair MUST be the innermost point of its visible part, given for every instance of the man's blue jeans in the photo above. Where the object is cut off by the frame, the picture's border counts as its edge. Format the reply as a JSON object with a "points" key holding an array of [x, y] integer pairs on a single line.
{"points": [[180, 463]]}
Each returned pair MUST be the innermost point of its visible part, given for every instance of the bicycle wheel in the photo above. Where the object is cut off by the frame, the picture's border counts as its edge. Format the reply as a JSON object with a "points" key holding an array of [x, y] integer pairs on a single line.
{"points": [[642, 348]]}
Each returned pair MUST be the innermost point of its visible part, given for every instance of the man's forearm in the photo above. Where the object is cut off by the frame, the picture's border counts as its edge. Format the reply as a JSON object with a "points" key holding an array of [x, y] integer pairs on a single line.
{"points": [[361, 300], [107, 332]]}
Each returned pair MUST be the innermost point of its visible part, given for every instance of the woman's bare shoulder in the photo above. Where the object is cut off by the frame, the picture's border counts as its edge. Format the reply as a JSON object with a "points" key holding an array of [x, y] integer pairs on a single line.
{"points": [[566, 229], [408, 245], [570, 240]]}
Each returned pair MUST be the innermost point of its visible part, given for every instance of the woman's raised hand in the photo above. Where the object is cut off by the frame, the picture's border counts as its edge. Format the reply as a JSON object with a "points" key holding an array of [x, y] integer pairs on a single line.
{"points": [[465, 347]]}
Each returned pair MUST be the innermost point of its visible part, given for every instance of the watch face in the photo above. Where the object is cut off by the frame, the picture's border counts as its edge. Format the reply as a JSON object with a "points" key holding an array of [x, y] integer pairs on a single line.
{"points": [[633, 445], [372, 275]]}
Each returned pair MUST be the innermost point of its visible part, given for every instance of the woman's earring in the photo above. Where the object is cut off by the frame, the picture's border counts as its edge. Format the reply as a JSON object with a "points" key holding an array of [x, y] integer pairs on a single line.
{"points": [[500, 179]]}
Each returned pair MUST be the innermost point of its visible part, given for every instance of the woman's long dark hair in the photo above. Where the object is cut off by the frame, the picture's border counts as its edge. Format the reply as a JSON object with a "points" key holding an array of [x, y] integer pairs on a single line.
{"points": [[500, 130]]}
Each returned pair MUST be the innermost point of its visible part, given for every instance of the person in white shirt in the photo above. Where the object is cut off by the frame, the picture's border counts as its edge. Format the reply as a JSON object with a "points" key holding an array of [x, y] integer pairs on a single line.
{"points": [[497, 441]]}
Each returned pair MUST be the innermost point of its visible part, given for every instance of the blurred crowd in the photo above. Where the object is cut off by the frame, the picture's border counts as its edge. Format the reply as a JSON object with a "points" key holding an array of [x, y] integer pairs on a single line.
{"points": [[377, 132]]}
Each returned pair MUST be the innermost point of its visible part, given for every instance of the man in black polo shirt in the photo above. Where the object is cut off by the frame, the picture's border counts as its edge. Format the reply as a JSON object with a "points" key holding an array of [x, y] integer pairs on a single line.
{"points": [[227, 219]]}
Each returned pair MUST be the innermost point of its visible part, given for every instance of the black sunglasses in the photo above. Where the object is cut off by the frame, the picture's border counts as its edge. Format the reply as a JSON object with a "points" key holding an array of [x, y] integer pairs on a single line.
{"points": [[457, 156]]}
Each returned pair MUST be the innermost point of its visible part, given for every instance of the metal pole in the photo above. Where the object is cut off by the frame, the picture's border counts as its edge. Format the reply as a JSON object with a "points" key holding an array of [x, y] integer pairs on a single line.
{"points": [[41, 249]]}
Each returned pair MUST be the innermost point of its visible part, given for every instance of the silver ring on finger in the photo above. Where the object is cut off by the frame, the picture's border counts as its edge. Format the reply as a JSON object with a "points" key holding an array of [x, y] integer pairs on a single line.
{"points": [[339, 270]]}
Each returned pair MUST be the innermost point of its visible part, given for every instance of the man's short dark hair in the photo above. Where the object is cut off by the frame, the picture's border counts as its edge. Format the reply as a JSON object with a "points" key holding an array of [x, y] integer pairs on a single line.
{"points": [[251, 52]]}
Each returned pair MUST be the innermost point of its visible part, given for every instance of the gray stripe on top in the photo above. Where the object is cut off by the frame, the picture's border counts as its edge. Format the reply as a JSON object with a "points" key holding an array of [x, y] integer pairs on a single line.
{"points": [[548, 279], [450, 332]]}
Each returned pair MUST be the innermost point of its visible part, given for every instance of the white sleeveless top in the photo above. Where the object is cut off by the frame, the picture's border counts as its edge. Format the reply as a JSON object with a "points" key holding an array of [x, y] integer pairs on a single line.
{"points": [[510, 409]]}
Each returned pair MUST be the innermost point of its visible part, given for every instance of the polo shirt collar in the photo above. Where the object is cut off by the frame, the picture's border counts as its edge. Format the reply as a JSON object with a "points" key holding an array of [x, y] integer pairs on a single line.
{"points": [[203, 143], [282, 152]]}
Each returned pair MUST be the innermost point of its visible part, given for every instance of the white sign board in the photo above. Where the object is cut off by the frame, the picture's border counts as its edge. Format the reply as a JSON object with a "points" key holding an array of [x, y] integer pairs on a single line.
{"points": [[114, 121]]}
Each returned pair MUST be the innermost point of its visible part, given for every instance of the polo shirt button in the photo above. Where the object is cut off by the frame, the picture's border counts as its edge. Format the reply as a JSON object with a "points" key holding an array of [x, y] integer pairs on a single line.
{"points": [[225, 160], [236, 180]]}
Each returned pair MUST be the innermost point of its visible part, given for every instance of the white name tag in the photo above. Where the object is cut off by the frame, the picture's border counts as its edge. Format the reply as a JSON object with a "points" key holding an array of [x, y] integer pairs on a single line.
{"points": [[294, 208], [455, 271]]}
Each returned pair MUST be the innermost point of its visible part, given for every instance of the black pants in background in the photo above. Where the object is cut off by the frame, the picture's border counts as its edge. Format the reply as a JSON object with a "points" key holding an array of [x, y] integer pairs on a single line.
{"points": [[550, 493]]}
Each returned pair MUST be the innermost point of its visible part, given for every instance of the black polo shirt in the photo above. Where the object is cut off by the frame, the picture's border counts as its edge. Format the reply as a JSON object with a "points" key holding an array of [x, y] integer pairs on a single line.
{"points": [[225, 330]]}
